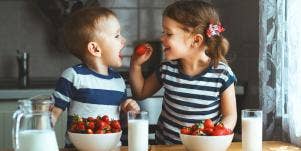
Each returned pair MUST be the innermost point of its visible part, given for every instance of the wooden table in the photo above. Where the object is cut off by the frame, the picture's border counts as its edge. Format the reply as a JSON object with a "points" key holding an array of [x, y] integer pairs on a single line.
{"points": [[235, 146]]}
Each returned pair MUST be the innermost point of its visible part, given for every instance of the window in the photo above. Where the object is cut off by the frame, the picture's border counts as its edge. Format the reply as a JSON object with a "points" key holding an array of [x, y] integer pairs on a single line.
{"points": [[293, 70]]}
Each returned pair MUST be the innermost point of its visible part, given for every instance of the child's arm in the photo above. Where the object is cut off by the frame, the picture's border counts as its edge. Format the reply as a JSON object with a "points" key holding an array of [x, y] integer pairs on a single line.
{"points": [[228, 107], [56, 113], [142, 88], [130, 105]]}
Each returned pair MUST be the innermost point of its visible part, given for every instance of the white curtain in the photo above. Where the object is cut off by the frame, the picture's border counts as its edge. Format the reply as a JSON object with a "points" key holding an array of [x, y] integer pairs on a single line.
{"points": [[271, 56], [280, 69], [294, 70]]}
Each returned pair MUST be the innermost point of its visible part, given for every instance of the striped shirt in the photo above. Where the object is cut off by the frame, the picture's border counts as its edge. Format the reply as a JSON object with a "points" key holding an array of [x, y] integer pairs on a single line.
{"points": [[89, 94], [188, 100]]}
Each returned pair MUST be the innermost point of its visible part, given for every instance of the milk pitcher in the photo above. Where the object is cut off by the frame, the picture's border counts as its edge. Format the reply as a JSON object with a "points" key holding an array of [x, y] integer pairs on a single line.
{"points": [[33, 129]]}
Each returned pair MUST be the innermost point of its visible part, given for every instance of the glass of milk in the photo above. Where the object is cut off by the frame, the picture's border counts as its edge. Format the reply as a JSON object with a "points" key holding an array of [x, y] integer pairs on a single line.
{"points": [[137, 131], [251, 130]]}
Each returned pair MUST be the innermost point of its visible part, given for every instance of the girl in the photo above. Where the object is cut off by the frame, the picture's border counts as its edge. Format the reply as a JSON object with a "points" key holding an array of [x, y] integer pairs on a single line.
{"points": [[197, 81]]}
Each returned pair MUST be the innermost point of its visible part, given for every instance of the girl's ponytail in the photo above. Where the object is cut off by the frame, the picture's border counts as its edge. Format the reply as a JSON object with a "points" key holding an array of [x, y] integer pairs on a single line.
{"points": [[217, 48]]}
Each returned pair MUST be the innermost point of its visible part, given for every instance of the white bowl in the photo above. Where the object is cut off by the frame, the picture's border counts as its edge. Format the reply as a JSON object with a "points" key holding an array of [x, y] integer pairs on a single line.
{"points": [[206, 143], [95, 142]]}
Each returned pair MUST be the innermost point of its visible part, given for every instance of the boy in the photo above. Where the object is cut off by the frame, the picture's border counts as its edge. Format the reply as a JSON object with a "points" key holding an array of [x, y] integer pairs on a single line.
{"points": [[93, 87]]}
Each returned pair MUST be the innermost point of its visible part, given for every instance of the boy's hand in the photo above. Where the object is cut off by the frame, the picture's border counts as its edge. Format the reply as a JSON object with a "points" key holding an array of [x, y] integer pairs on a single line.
{"points": [[141, 54], [56, 113], [130, 105]]}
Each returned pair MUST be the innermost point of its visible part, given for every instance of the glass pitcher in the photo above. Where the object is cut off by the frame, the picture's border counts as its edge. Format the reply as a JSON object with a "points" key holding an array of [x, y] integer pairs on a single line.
{"points": [[33, 129]]}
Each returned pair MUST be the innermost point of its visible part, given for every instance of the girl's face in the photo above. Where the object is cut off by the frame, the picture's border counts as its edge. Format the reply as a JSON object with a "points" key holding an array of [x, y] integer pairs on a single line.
{"points": [[176, 41], [110, 42]]}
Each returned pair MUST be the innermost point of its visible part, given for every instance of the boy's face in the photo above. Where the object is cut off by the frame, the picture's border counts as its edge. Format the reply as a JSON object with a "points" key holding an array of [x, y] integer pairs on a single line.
{"points": [[110, 42], [175, 40]]}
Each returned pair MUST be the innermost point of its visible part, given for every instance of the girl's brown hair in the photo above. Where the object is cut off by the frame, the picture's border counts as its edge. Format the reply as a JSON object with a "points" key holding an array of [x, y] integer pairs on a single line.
{"points": [[198, 15], [80, 28]]}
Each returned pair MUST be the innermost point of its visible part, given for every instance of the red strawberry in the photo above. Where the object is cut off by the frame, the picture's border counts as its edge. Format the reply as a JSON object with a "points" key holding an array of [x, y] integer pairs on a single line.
{"points": [[141, 49], [115, 124], [208, 123], [186, 130], [105, 118], [90, 125], [90, 119], [101, 124], [81, 127]]}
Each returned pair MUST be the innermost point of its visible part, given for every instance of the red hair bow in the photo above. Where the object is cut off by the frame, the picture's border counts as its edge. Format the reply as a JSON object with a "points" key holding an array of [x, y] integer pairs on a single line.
{"points": [[214, 29]]}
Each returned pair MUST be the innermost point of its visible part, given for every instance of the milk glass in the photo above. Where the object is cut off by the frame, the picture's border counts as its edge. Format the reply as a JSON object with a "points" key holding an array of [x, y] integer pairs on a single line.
{"points": [[138, 131], [251, 130]]}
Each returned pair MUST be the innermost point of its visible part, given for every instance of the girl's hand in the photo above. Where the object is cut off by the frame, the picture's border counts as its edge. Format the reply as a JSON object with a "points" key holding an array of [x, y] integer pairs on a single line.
{"points": [[141, 54], [130, 105]]}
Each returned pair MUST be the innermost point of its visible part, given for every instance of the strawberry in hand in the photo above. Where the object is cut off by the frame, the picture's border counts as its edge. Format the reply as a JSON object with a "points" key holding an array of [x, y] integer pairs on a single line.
{"points": [[141, 49]]}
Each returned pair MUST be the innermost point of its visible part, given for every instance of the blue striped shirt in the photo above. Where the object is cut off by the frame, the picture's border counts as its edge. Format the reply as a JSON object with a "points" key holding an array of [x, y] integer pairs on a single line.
{"points": [[89, 94], [188, 100]]}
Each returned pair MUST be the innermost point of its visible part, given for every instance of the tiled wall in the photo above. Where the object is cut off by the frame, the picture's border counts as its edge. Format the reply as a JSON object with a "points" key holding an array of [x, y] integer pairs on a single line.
{"points": [[23, 26]]}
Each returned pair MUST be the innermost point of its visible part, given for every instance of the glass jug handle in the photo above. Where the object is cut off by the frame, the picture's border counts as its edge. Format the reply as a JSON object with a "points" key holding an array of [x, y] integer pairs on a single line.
{"points": [[16, 125]]}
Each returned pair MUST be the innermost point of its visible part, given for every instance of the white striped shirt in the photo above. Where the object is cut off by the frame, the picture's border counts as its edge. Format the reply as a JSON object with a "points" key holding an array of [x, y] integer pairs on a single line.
{"points": [[89, 94], [188, 100]]}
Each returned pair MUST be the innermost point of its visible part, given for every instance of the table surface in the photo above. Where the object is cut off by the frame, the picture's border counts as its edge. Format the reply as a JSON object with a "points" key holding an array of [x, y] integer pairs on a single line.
{"points": [[235, 146]]}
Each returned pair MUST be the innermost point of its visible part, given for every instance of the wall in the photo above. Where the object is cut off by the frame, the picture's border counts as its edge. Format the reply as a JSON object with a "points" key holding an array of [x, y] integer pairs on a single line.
{"points": [[24, 27], [241, 20]]}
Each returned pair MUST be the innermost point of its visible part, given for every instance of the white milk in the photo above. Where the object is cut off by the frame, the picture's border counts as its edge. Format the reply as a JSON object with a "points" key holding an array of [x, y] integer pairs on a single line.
{"points": [[138, 135], [251, 134], [37, 140]]}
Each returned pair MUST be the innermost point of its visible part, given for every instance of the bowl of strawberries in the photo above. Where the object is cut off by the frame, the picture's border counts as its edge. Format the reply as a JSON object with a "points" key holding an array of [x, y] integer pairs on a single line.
{"points": [[95, 133], [206, 136]]}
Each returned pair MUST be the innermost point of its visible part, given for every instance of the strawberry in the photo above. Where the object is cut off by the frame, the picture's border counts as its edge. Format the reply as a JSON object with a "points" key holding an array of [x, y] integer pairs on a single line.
{"points": [[81, 127], [89, 131], [90, 125], [208, 123], [105, 118], [115, 124], [94, 125], [186, 130], [141, 49], [90, 119], [100, 124]]}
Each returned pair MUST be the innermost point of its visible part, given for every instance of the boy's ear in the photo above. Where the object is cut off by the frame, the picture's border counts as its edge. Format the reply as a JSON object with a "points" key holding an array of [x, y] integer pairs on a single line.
{"points": [[94, 49], [197, 40]]}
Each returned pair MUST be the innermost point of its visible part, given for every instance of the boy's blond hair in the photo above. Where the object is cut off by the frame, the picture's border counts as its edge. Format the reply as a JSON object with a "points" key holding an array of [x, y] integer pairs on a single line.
{"points": [[80, 28]]}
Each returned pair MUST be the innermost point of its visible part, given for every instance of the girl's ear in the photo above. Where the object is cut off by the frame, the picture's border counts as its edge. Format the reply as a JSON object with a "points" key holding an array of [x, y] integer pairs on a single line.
{"points": [[94, 49], [197, 40]]}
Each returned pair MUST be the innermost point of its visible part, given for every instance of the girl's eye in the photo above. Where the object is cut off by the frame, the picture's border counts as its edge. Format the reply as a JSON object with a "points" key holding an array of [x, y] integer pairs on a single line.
{"points": [[167, 34], [117, 36]]}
